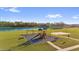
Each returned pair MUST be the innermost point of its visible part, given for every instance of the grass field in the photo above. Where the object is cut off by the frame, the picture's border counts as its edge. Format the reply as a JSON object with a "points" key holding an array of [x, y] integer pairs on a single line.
{"points": [[36, 47], [9, 39], [74, 32], [68, 43]]}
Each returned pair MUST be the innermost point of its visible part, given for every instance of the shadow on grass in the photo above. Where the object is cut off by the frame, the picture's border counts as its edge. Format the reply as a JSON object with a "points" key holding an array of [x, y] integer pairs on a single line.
{"points": [[27, 43], [33, 41]]}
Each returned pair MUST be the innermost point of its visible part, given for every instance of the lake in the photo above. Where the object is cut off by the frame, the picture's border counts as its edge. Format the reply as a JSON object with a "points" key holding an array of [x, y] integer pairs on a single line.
{"points": [[16, 28]]}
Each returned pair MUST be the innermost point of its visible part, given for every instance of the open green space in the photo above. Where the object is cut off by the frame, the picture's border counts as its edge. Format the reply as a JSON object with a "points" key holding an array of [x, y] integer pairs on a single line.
{"points": [[9, 39], [65, 42], [74, 32], [36, 47]]}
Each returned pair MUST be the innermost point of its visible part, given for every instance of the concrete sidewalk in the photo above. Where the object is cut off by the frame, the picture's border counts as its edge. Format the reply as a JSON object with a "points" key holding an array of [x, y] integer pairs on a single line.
{"points": [[69, 48], [53, 45]]}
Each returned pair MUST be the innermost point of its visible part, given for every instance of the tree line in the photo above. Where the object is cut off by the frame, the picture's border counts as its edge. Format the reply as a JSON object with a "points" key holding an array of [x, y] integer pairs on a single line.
{"points": [[33, 24], [17, 24]]}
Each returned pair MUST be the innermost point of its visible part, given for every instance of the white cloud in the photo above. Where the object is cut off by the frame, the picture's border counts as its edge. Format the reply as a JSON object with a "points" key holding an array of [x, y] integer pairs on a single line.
{"points": [[76, 17], [54, 16], [13, 9]]}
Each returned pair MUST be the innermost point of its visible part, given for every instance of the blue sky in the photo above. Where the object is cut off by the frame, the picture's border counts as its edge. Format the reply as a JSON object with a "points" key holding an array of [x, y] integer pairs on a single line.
{"points": [[40, 14]]}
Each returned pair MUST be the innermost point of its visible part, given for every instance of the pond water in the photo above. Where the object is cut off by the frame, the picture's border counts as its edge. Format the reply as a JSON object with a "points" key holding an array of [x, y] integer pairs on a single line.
{"points": [[16, 28]]}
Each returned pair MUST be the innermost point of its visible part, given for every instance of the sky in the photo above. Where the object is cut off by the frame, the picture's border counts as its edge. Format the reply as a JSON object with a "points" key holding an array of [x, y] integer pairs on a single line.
{"points": [[69, 15]]}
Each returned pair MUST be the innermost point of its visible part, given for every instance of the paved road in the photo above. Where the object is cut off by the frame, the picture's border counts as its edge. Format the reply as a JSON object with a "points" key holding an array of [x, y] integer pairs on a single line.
{"points": [[53, 45]]}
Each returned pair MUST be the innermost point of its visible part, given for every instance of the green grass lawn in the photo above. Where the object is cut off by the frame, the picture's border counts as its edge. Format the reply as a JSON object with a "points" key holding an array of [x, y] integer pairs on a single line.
{"points": [[35, 47], [68, 42], [74, 32], [9, 39]]}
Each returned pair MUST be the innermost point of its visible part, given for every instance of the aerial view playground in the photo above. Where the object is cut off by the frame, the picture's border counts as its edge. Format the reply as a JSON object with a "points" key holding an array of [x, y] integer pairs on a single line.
{"points": [[39, 29]]}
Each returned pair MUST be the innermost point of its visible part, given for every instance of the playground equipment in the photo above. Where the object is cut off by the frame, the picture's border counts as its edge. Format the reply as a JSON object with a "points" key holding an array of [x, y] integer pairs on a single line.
{"points": [[41, 37]]}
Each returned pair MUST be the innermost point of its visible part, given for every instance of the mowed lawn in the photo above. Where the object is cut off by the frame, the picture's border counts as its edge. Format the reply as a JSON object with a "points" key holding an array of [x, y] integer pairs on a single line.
{"points": [[67, 42], [74, 32], [9, 39], [64, 42], [35, 47]]}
